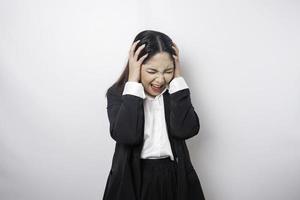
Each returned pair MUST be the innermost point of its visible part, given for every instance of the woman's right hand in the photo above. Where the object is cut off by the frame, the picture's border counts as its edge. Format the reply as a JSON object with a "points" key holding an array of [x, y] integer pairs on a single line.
{"points": [[134, 64]]}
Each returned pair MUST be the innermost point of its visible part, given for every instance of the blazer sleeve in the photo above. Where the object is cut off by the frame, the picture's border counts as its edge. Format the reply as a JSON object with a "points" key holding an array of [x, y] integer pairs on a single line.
{"points": [[184, 121], [126, 117]]}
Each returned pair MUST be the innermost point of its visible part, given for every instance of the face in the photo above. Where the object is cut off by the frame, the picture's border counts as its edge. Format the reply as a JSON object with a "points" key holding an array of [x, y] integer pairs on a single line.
{"points": [[157, 73]]}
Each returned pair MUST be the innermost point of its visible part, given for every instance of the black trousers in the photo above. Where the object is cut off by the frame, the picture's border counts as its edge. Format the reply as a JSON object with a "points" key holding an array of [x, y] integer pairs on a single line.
{"points": [[159, 179]]}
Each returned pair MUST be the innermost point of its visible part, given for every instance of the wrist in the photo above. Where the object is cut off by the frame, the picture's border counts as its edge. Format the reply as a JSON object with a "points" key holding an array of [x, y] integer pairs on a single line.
{"points": [[133, 79]]}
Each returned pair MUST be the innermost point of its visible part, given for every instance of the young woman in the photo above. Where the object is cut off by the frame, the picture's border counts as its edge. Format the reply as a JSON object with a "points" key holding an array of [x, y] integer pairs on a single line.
{"points": [[151, 115]]}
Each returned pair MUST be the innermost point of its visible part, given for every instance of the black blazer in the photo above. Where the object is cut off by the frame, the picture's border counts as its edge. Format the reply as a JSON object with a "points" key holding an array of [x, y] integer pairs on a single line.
{"points": [[126, 118]]}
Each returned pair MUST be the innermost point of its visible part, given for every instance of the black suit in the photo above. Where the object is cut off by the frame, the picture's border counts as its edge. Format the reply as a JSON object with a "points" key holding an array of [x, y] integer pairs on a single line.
{"points": [[126, 117]]}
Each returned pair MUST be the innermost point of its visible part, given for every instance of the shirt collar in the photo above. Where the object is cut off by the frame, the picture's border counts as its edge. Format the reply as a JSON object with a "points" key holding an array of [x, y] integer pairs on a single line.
{"points": [[157, 96]]}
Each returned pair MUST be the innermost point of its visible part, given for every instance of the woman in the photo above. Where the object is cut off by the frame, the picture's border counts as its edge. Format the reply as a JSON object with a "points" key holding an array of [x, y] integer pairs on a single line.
{"points": [[151, 115]]}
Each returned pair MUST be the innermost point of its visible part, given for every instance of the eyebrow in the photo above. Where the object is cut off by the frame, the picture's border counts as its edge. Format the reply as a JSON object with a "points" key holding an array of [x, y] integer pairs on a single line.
{"points": [[156, 70]]}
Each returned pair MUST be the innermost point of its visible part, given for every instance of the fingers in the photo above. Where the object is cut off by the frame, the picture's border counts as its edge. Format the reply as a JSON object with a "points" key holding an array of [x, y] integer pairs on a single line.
{"points": [[138, 51], [131, 51], [134, 62], [175, 57], [174, 46], [134, 54], [142, 58]]}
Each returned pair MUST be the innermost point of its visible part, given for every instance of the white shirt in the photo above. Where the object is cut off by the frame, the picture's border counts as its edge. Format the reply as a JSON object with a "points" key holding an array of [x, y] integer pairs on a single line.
{"points": [[156, 142]]}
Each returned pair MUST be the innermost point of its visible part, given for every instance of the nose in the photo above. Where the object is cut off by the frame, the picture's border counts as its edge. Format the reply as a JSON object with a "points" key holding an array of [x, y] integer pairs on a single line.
{"points": [[161, 79]]}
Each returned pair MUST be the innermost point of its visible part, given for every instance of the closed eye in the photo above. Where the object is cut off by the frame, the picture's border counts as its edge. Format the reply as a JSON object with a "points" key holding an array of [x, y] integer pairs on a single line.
{"points": [[155, 72]]}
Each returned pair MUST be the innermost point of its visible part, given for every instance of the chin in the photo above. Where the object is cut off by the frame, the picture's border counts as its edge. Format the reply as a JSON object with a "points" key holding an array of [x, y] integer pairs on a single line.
{"points": [[151, 93]]}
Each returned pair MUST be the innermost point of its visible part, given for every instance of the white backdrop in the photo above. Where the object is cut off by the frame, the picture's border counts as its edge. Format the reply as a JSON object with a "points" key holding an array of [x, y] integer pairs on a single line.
{"points": [[239, 58]]}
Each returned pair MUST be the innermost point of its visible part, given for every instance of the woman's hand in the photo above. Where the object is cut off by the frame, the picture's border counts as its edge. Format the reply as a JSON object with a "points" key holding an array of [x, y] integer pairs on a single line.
{"points": [[134, 64], [177, 63]]}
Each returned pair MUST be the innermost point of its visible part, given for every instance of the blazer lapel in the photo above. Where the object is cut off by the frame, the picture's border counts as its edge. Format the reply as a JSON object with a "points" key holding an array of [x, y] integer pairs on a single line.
{"points": [[166, 98]]}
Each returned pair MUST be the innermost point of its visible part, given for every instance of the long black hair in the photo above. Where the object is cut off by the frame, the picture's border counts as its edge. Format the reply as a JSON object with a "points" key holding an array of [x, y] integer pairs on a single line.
{"points": [[155, 42]]}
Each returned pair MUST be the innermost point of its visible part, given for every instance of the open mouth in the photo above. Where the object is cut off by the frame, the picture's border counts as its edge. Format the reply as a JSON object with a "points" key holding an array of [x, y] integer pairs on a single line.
{"points": [[156, 88]]}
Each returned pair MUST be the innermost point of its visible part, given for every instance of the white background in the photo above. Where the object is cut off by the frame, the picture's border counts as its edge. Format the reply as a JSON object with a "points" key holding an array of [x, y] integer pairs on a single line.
{"points": [[239, 58]]}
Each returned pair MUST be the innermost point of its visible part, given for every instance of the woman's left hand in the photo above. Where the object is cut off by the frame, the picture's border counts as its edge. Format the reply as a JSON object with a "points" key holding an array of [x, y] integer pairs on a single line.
{"points": [[177, 63]]}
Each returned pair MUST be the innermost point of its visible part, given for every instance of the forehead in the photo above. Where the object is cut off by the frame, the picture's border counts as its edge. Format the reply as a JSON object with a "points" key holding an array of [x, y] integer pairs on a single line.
{"points": [[159, 61]]}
